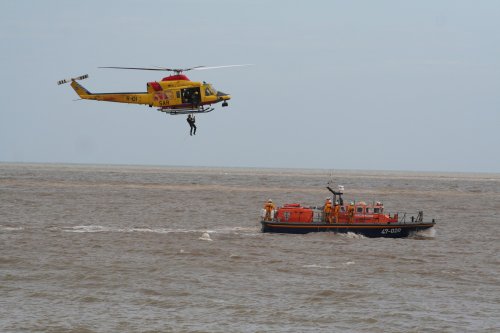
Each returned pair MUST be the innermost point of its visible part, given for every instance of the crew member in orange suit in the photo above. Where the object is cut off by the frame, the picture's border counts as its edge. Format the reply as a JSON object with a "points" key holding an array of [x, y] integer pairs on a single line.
{"points": [[350, 211], [336, 210], [328, 210], [269, 207]]}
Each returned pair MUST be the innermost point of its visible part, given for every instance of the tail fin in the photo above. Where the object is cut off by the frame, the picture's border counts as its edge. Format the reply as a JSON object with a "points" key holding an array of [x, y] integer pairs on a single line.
{"points": [[80, 90]]}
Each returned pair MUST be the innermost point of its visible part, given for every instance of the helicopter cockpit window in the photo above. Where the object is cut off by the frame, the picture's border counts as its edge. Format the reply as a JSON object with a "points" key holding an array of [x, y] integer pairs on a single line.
{"points": [[209, 90]]}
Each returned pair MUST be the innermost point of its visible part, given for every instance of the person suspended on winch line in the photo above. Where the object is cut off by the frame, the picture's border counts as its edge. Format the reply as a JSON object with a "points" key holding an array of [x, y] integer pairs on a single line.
{"points": [[191, 121]]}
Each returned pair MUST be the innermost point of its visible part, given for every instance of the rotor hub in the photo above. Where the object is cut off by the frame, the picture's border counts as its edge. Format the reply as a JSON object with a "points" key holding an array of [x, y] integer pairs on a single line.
{"points": [[177, 77]]}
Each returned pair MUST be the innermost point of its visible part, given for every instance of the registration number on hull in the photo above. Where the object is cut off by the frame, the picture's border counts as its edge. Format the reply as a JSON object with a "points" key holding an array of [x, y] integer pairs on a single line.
{"points": [[390, 231]]}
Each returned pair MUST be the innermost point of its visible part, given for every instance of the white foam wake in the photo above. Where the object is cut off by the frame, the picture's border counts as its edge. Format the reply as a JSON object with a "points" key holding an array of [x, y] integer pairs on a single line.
{"points": [[348, 263], [206, 237], [318, 266], [427, 233], [86, 228], [352, 235], [7, 228], [99, 228]]}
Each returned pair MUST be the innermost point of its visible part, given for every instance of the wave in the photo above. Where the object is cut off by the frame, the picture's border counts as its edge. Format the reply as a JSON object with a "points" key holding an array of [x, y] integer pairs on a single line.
{"points": [[351, 235], [99, 228], [347, 263], [205, 237], [319, 266], [231, 230], [423, 234], [86, 228], [8, 228]]}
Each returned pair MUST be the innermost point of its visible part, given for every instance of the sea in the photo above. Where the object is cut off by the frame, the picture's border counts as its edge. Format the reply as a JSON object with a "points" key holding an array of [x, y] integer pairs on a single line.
{"points": [[104, 248]]}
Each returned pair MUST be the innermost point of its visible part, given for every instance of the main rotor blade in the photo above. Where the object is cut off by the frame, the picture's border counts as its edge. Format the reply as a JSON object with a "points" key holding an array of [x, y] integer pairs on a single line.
{"points": [[201, 68], [138, 68], [176, 70]]}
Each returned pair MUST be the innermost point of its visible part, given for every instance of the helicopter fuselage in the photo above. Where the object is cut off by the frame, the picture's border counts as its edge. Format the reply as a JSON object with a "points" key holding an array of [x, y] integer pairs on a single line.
{"points": [[175, 92]]}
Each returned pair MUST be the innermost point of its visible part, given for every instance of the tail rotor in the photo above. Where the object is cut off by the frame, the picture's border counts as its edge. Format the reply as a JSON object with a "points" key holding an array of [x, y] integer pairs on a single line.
{"points": [[82, 77]]}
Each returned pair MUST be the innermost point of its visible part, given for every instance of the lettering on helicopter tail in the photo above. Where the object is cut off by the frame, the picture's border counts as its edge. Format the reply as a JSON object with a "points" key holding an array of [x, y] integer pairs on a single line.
{"points": [[131, 98]]}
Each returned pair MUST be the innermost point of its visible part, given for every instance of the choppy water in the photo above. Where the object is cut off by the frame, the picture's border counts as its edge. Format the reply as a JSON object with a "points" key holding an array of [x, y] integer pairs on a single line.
{"points": [[145, 249]]}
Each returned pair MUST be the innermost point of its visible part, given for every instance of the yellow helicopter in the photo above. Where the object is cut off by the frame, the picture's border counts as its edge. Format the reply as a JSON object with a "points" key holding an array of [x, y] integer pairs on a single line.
{"points": [[174, 94]]}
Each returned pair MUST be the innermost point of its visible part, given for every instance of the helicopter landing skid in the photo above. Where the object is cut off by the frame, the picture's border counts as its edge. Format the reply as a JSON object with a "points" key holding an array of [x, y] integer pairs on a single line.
{"points": [[186, 111]]}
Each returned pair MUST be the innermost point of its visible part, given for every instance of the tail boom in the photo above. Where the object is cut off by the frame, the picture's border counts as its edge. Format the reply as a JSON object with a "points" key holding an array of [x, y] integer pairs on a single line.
{"points": [[131, 98]]}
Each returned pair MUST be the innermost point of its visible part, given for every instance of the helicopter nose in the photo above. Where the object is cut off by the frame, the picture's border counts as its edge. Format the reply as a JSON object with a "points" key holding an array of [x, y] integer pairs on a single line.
{"points": [[223, 96]]}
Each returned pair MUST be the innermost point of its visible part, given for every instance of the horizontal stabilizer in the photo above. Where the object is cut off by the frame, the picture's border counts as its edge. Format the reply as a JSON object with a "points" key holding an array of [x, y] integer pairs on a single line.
{"points": [[83, 77]]}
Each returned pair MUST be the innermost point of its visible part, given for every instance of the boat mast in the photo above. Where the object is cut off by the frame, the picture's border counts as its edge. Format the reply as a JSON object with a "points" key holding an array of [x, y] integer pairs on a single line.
{"points": [[339, 193]]}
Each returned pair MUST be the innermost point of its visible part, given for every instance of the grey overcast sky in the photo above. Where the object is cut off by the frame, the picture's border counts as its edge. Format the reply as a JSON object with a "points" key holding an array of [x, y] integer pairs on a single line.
{"points": [[375, 85]]}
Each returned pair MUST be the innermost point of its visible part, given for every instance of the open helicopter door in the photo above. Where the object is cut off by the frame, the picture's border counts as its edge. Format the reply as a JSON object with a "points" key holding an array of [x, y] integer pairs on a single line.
{"points": [[191, 95]]}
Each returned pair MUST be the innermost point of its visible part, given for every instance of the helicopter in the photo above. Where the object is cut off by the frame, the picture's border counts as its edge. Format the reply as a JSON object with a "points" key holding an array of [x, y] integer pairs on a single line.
{"points": [[174, 94]]}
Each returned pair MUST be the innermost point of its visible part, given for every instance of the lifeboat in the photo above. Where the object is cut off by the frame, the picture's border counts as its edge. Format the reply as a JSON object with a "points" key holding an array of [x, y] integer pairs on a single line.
{"points": [[369, 220]]}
